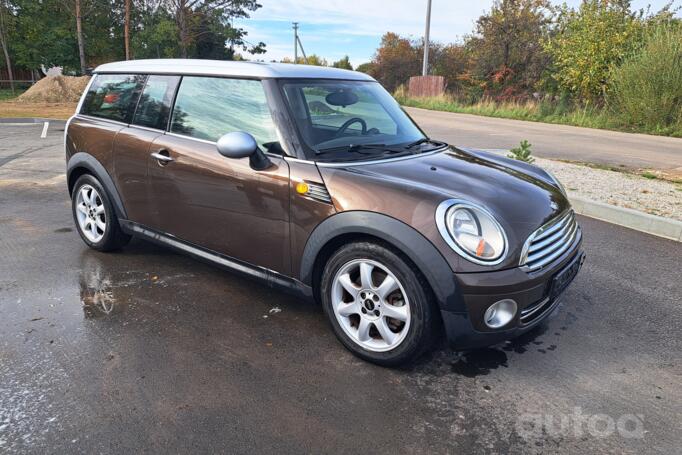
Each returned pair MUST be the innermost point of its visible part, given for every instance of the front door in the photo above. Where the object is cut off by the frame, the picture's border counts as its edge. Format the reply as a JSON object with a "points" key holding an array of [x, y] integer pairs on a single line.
{"points": [[215, 202]]}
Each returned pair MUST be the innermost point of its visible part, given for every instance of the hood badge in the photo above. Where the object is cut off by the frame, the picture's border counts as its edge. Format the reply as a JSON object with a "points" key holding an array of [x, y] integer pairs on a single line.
{"points": [[554, 206]]}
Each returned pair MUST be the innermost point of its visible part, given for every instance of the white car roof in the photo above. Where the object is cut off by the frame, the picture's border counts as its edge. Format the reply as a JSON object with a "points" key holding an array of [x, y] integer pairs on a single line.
{"points": [[258, 70]]}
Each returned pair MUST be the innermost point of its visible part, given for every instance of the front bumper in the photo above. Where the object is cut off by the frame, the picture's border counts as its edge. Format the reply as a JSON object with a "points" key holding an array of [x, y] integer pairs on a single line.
{"points": [[532, 292]]}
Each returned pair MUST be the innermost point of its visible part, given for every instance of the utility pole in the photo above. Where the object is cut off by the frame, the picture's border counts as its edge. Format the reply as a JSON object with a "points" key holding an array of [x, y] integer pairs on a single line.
{"points": [[425, 67], [295, 42]]}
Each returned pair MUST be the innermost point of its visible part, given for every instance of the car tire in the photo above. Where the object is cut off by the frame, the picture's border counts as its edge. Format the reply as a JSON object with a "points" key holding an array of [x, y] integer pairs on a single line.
{"points": [[95, 217], [352, 302]]}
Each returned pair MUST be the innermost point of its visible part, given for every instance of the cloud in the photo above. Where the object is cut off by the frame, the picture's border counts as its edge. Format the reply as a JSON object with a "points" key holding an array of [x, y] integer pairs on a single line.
{"points": [[333, 28], [375, 17]]}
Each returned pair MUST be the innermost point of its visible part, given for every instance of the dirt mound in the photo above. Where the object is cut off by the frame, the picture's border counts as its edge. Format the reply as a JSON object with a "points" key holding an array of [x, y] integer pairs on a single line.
{"points": [[55, 89]]}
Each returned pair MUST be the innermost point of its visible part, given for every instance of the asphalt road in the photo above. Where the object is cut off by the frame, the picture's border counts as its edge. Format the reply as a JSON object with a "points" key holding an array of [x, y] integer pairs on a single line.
{"points": [[149, 351], [555, 141]]}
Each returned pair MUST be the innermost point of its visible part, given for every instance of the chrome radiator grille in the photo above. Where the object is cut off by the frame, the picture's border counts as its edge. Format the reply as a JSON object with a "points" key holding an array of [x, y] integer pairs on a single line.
{"points": [[549, 242]]}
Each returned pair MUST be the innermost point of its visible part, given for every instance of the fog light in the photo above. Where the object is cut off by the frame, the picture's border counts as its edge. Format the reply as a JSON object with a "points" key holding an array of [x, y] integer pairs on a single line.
{"points": [[500, 313]]}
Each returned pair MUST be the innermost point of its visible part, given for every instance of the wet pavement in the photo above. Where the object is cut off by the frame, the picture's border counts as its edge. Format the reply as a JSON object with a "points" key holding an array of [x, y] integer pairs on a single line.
{"points": [[146, 350]]}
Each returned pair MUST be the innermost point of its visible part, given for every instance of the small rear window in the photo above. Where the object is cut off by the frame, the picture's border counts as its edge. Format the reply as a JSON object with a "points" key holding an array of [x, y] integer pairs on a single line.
{"points": [[112, 96]]}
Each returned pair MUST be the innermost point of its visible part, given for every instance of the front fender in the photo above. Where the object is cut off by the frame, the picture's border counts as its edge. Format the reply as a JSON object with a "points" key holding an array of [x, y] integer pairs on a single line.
{"points": [[83, 160], [401, 236]]}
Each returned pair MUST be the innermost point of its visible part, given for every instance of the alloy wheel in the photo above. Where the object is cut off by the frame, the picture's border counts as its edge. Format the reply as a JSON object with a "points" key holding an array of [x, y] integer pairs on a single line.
{"points": [[371, 305], [90, 212]]}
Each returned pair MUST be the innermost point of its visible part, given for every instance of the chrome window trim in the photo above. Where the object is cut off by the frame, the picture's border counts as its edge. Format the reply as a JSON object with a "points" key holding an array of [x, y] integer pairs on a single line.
{"points": [[184, 136], [101, 119], [148, 128], [441, 223]]}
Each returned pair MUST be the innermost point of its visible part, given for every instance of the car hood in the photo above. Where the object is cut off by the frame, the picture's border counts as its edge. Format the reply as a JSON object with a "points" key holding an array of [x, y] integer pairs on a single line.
{"points": [[522, 197]]}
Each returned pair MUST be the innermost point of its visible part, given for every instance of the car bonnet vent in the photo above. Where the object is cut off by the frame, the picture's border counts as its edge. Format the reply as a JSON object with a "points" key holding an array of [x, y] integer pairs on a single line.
{"points": [[318, 192]]}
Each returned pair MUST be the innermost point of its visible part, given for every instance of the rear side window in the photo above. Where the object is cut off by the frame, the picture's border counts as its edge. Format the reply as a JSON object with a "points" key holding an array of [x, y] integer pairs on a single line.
{"points": [[208, 107], [112, 96], [155, 102]]}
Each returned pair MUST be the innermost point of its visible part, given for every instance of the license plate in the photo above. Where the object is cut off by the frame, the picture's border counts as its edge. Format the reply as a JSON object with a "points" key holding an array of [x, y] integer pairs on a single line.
{"points": [[564, 278]]}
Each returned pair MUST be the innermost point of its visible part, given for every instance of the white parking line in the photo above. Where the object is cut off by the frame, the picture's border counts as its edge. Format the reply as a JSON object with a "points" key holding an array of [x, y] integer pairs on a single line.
{"points": [[46, 125]]}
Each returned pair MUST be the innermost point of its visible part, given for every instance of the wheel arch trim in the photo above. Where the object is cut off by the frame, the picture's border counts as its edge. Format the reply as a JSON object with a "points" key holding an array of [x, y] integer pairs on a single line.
{"points": [[401, 236], [83, 160]]}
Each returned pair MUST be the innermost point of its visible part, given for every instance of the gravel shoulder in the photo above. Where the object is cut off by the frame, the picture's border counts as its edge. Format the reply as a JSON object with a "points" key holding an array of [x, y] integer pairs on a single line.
{"points": [[653, 196]]}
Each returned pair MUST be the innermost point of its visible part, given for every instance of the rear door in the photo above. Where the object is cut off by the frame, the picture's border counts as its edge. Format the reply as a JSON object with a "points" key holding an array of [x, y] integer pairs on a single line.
{"points": [[106, 110], [216, 202], [131, 148]]}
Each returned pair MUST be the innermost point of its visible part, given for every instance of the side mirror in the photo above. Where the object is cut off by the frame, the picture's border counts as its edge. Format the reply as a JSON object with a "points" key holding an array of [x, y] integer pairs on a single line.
{"points": [[240, 145]]}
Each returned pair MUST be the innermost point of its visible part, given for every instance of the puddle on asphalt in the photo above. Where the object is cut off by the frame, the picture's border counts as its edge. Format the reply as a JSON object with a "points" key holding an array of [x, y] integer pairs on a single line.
{"points": [[480, 362], [99, 286], [96, 293]]}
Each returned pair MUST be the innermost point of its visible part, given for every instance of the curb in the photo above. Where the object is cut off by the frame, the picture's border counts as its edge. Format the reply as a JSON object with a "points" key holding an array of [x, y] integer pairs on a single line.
{"points": [[633, 219]]}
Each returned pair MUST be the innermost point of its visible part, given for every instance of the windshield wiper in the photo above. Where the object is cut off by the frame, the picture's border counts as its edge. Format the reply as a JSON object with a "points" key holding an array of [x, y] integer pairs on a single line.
{"points": [[358, 148], [423, 140]]}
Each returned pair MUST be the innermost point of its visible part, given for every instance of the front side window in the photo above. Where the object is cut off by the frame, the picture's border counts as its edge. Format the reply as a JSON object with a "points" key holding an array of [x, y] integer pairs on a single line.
{"points": [[209, 107], [154, 105], [112, 96], [340, 119]]}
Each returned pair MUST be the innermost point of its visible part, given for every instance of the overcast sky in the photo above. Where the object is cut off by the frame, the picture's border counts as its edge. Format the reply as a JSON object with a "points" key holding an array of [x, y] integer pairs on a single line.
{"points": [[334, 28]]}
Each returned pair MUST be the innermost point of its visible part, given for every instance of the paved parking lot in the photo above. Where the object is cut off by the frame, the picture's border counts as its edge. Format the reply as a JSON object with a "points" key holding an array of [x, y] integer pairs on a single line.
{"points": [[149, 351]]}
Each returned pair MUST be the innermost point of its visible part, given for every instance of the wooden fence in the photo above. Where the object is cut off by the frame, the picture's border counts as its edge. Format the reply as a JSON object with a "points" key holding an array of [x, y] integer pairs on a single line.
{"points": [[421, 86], [22, 77]]}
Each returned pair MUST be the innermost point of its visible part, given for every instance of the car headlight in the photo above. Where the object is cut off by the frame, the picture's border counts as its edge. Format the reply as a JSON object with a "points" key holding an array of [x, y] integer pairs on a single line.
{"points": [[471, 231]]}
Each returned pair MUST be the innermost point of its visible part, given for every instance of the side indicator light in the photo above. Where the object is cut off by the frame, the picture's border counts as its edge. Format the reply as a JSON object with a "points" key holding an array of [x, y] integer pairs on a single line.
{"points": [[302, 188]]}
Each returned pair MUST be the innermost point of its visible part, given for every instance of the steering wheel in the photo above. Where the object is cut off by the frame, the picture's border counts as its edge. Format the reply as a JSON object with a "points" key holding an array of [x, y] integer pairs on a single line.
{"points": [[342, 129]]}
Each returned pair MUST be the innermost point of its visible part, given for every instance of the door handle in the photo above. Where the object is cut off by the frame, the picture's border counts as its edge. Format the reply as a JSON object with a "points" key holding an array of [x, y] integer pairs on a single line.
{"points": [[163, 156]]}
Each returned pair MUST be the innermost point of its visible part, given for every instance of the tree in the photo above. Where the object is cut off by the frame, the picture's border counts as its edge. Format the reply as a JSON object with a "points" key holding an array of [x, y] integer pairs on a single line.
{"points": [[506, 47], [126, 28], [76, 8], [189, 13], [343, 63], [366, 68], [43, 35], [395, 61], [156, 32], [312, 59], [590, 40], [646, 89], [4, 34], [452, 62]]}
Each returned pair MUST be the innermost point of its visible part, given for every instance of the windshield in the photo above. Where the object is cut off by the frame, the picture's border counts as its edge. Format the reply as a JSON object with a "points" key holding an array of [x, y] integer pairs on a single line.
{"points": [[350, 120]]}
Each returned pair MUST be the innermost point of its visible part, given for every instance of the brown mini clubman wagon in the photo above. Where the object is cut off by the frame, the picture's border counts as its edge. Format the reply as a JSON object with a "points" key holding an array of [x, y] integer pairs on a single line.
{"points": [[314, 179]]}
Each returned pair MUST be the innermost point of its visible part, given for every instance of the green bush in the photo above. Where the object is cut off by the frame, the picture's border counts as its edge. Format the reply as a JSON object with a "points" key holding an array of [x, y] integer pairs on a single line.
{"points": [[647, 86], [522, 152]]}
